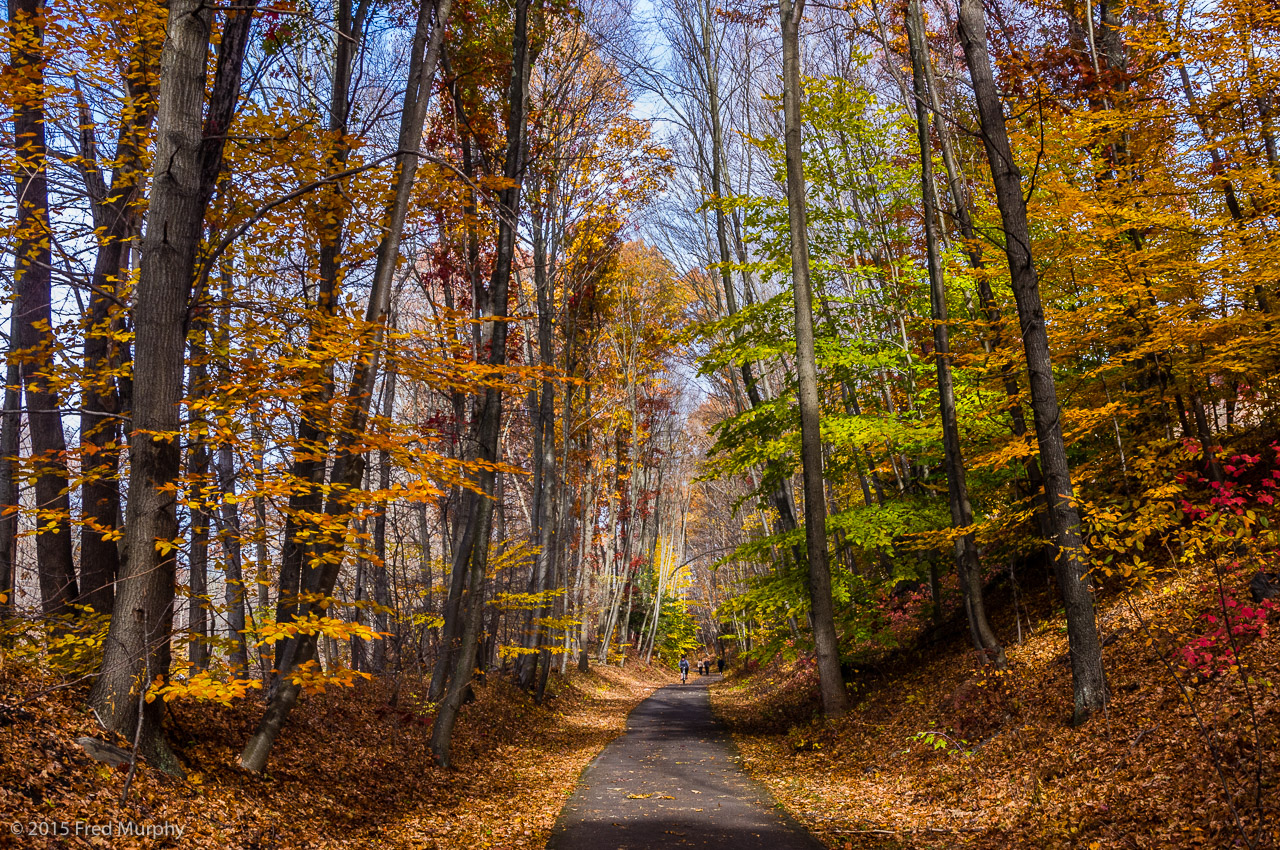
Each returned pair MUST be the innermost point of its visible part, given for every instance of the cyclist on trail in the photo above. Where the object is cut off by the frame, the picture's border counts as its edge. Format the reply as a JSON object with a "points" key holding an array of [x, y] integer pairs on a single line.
{"points": [[684, 669]]}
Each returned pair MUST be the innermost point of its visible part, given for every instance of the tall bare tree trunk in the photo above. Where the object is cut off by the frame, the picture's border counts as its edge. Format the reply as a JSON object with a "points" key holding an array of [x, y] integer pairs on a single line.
{"points": [[786, 519], [993, 338], [451, 632], [197, 474], [1087, 675], [261, 577], [545, 490], [966, 549], [826, 646], [188, 160], [230, 536], [33, 283]]}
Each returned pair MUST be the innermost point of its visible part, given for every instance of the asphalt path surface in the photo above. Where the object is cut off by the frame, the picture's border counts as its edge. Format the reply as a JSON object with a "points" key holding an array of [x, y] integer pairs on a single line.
{"points": [[674, 780]]}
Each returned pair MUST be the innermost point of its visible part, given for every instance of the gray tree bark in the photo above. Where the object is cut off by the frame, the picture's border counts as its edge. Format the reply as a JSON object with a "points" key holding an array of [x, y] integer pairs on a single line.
{"points": [[381, 576], [966, 550], [188, 159], [33, 335], [473, 547], [197, 474], [1087, 675], [826, 646], [451, 632], [117, 217], [9, 427]]}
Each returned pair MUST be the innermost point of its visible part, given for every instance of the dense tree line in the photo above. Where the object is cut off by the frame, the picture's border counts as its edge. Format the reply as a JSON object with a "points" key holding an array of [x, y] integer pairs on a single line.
{"points": [[359, 338]]}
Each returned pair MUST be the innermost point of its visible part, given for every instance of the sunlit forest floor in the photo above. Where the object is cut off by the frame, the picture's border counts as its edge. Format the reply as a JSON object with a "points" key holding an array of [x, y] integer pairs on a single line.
{"points": [[351, 770], [938, 752]]}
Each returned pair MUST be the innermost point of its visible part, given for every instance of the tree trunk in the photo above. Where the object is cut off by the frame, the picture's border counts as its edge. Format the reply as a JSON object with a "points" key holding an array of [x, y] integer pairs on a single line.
{"points": [[451, 632], [116, 216], [545, 509], [993, 338], [10, 425], [487, 420], [308, 469], [188, 159], [261, 577], [381, 584], [349, 463], [966, 549], [826, 646], [33, 334], [233, 565], [359, 648], [197, 475], [1088, 678], [230, 536]]}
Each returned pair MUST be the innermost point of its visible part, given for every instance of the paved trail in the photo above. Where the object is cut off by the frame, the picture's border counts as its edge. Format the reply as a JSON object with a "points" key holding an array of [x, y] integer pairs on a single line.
{"points": [[673, 780]]}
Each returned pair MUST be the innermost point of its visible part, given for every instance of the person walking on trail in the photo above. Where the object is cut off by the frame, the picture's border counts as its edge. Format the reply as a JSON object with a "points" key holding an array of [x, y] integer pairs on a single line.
{"points": [[720, 664], [684, 669]]}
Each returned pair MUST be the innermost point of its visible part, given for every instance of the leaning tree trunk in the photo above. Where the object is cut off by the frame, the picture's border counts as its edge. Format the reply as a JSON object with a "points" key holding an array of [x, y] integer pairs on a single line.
{"points": [[188, 159], [992, 339], [349, 463], [1087, 675], [33, 335], [826, 647], [967, 562]]}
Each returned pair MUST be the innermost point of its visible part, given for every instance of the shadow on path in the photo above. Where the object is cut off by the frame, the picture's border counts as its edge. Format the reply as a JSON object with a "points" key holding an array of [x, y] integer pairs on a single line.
{"points": [[674, 780]]}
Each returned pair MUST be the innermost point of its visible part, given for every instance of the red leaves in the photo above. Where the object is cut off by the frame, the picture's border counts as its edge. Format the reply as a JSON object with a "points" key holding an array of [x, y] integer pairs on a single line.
{"points": [[1214, 652]]}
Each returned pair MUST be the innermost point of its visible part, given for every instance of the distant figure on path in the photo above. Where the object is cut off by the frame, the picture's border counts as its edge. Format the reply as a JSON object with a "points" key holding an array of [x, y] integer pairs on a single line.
{"points": [[684, 669], [720, 664]]}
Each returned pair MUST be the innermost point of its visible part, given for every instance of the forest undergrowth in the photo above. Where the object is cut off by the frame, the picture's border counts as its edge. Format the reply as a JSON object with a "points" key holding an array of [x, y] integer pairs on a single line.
{"points": [[353, 770], [939, 751]]}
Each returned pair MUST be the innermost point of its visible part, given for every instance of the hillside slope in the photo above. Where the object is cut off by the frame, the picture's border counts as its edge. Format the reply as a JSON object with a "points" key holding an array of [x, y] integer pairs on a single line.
{"points": [[939, 752]]}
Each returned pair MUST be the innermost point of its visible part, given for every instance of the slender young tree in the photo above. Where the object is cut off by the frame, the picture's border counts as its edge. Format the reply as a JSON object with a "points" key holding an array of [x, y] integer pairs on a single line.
{"points": [[349, 463], [9, 426], [1087, 675], [33, 342], [308, 467], [473, 547], [826, 646], [957, 488], [117, 216]]}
